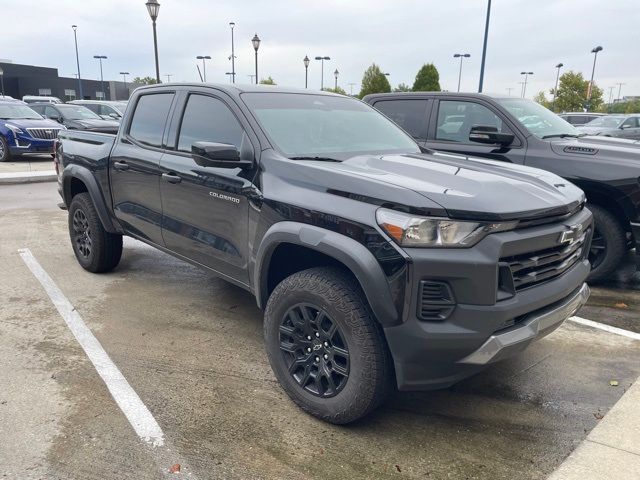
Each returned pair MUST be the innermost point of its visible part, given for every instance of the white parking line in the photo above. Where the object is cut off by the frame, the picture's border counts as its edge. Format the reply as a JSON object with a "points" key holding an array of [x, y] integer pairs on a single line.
{"points": [[605, 327], [127, 399]]}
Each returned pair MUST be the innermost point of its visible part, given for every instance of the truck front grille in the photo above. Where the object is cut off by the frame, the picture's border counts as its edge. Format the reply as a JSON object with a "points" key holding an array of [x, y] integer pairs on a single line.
{"points": [[529, 269], [44, 133]]}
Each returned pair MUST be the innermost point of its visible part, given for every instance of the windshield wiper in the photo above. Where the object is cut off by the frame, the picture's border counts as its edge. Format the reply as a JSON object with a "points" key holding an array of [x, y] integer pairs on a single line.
{"points": [[321, 159], [564, 135]]}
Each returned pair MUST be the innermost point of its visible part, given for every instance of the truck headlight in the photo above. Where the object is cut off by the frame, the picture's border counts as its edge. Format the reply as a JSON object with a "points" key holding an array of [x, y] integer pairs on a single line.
{"points": [[13, 128], [412, 231]]}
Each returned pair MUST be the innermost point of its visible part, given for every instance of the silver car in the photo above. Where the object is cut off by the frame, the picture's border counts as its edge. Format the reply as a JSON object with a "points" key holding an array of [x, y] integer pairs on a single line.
{"points": [[621, 126]]}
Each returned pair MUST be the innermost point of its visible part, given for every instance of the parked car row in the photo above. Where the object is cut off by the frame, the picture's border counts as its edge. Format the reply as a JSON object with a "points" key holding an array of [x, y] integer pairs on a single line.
{"points": [[32, 127]]}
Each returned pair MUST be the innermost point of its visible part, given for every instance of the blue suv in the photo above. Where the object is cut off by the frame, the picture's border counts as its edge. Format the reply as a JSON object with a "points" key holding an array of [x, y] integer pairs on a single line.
{"points": [[22, 130]]}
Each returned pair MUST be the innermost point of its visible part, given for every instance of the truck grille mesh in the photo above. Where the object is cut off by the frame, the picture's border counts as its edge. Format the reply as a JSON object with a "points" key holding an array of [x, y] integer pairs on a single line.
{"points": [[529, 269], [44, 133]]}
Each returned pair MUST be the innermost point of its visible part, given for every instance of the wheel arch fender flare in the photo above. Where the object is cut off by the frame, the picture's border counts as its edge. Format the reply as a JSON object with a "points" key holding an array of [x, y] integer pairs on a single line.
{"points": [[87, 178], [355, 256]]}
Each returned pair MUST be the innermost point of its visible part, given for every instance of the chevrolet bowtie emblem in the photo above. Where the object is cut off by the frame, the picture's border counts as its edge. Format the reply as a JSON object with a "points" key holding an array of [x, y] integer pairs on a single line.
{"points": [[572, 234]]}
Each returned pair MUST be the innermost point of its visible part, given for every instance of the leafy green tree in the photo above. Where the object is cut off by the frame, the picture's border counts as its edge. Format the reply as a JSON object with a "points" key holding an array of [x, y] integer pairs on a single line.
{"points": [[542, 100], [572, 93], [403, 87], [338, 89], [267, 81], [144, 81], [374, 81], [632, 106], [427, 79]]}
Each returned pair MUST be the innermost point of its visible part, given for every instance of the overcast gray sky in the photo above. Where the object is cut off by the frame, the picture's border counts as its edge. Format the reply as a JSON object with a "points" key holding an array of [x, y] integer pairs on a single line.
{"points": [[400, 36]]}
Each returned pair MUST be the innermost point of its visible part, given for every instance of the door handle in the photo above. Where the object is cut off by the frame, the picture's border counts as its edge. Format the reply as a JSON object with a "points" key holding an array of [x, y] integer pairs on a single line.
{"points": [[120, 166], [171, 178]]}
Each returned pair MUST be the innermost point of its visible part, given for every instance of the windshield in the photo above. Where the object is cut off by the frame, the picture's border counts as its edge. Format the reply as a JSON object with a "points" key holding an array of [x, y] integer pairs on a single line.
{"points": [[17, 111], [307, 125], [77, 112], [610, 122], [538, 120], [120, 106]]}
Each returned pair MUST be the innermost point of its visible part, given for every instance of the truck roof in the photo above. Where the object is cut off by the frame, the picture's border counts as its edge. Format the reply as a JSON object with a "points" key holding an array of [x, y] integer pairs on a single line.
{"points": [[236, 89], [436, 94]]}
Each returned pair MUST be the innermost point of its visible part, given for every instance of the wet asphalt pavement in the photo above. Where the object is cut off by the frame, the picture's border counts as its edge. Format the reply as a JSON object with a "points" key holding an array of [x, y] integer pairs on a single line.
{"points": [[191, 346]]}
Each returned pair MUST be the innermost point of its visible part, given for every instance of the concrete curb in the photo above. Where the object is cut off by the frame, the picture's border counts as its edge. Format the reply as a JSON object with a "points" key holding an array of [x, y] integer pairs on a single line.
{"points": [[612, 449], [27, 177]]}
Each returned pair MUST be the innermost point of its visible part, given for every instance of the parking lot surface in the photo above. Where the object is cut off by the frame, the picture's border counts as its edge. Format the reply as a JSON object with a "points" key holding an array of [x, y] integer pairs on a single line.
{"points": [[190, 345]]}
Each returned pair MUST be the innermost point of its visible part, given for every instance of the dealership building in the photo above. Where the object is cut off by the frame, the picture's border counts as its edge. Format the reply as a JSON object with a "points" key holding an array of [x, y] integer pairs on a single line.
{"points": [[20, 80]]}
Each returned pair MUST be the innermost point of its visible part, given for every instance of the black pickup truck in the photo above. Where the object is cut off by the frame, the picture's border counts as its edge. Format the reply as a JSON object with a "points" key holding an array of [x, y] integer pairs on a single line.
{"points": [[377, 266], [520, 131]]}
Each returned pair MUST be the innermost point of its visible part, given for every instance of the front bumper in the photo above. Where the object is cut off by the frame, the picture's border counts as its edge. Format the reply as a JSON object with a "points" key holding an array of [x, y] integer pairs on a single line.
{"points": [[483, 326]]}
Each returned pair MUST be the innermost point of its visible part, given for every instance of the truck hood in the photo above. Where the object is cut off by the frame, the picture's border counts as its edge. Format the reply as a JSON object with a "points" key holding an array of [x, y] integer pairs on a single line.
{"points": [[32, 123], [465, 188], [618, 151], [93, 124]]}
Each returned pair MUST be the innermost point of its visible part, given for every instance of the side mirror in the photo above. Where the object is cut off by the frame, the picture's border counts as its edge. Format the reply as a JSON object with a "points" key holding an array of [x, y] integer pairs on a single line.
{"points": [[218, 155], [490, 135], [624, 127], [114, 115]]}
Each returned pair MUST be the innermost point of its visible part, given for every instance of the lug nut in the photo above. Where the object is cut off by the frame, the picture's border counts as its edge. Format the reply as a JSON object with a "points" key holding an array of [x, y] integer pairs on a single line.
{"points": [[308, 337], [317, 334], [326, 344], [326, 356], [309, 349], [317, 359]]}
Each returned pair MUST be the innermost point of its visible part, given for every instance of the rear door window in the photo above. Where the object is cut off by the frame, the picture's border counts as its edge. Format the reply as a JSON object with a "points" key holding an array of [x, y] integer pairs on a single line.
{"points": [[150, 117], [409, 114]]}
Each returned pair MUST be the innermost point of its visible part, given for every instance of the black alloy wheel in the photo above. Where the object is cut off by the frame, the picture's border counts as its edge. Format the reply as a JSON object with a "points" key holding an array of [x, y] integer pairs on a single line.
{"points": [[82, 233], [314, 350], [598, 249]]}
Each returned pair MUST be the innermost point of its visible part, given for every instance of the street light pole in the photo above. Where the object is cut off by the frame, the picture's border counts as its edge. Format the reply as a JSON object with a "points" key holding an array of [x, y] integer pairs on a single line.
{"points": [[484, 46], [335, 74], [204, 65], [521, 88], [524, 87], [306, 61], [2, 81], [168, 75], [75, 37], [593, 71], [509, 90], [461, 56], [619, 90], [153, 7], [256, 44], [233, 55], [124, 79], [100, 57], [322, 59], [251, 77], [555, 90], [351, 90], [610, 97]]}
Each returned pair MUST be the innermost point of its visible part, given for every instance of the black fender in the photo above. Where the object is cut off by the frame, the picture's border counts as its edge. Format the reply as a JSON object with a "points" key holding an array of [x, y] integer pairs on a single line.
{"points": [[349, 252], [86, 176]]}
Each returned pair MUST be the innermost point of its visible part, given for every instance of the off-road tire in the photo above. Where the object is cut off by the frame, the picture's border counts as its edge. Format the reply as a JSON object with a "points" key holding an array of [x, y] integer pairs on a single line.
{"points": [[98, 250], [336, 293], [609, 231]]}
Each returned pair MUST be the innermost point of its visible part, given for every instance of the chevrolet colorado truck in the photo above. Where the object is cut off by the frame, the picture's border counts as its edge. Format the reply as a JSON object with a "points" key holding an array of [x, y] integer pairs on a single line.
{"points": [[378, 265], [520, 131]]}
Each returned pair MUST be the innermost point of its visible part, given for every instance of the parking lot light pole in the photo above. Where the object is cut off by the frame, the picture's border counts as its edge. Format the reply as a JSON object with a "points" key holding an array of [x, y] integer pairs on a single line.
{"points": [[555, 90], [610, 97], [2, 81], [204, 65], [509, 90], [75, 38], [484, 46], [124, 79], [256, 44], [619, 89], [168, 75], [524, 87], [335, 74], [322, 59], [153, 7], [593, 71], [100, 58], [461, 56], [233, 55], [521, 88], [306, 61]]}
